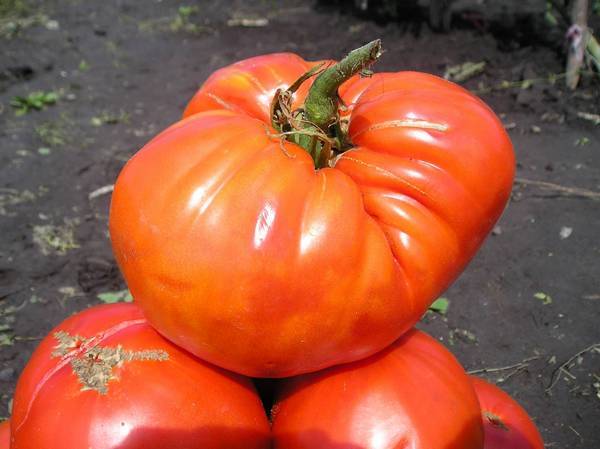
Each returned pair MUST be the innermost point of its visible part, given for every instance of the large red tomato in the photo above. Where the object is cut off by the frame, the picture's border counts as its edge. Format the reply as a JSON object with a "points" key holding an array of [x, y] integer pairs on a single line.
{"points": [[506, 424], [240, 251], [5, 435], [413, 395], [104, 379]]}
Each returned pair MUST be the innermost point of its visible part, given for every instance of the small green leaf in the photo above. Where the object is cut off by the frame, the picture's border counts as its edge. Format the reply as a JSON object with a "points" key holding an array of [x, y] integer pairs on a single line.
{"points": [[48, 98], [544, 297], [526, 84], [18, 101], [550, 19], [186, 11], [6, 339], [33, 101], [440, 305], [113, 297], [96, 121]]}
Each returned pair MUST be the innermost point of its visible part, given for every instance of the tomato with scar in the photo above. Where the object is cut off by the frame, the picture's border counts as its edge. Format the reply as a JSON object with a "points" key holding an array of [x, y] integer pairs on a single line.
{"points": [[506, 424], [104, 379], [304, 215]]}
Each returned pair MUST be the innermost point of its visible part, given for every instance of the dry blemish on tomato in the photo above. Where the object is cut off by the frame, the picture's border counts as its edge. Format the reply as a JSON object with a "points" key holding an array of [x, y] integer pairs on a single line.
{"points": [[93, 363], [495, 420]]}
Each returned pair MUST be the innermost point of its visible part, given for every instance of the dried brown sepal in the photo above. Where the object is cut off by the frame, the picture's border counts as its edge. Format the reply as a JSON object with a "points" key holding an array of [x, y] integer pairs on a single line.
{"points": [[283, 118]]}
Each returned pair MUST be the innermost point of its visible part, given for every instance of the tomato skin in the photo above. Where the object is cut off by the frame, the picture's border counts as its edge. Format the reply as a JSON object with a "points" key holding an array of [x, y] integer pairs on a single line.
{"points": [[412, 395], [177, 403], [5, 434], [248, 86], [506, 424], [241, 252]]}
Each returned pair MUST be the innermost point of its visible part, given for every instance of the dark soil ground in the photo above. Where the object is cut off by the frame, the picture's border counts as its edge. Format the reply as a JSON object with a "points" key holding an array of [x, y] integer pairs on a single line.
{"points": [[124, 70]]}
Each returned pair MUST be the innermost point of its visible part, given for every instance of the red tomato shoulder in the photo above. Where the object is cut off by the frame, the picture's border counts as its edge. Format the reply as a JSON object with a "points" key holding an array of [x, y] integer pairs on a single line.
{"points": [[105, 379], [506, 424]]}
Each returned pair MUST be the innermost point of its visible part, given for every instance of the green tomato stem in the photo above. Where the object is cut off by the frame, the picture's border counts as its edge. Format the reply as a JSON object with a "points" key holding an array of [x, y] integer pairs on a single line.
{"points": [[322, 102], [318, 128]]}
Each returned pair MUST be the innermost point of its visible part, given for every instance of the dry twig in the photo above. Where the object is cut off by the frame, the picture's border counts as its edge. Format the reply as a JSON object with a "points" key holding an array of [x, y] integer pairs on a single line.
{"points": [[560, 189], [564, 367], [594, 118], [101, 191], [519, 366]]}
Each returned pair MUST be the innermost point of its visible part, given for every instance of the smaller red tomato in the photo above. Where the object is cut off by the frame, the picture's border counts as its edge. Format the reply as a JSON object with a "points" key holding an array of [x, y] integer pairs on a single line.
{"points": [[413, 394], [506, 424], [104, 379], [5, 434]]}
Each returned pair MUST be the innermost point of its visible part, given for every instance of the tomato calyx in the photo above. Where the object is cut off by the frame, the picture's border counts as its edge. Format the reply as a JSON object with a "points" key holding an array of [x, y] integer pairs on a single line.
{"points": [[317, 126]]}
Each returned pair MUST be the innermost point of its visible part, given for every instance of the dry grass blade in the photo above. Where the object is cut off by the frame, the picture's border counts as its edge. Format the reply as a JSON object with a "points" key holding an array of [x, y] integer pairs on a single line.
{"points": [[564, 367], [521, 365], [560, 189]]}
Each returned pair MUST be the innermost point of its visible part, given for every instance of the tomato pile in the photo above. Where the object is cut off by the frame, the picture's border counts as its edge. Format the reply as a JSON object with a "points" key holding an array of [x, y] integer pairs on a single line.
{"points": [[295, 225]]}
